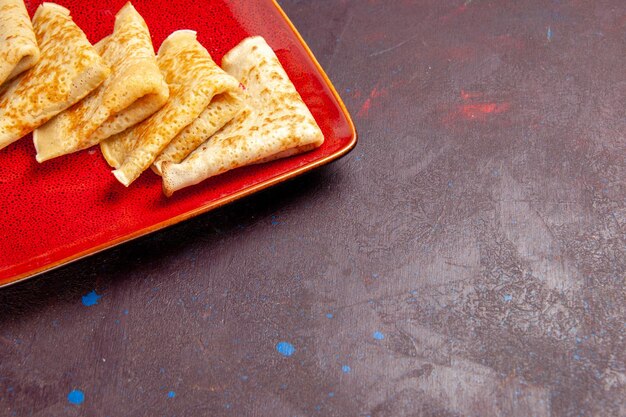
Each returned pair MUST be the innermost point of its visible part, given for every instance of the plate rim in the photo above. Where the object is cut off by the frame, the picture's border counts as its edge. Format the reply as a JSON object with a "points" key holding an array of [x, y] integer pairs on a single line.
{"points": [[205, 208]]}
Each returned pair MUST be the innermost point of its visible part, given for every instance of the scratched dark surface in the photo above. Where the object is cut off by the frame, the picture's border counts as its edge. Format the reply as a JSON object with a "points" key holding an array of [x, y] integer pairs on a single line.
{"points": [[466, 259]]}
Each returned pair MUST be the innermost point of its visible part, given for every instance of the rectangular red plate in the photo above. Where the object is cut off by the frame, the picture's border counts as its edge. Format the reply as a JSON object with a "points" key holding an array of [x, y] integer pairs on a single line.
{"points": [[71, 207]]}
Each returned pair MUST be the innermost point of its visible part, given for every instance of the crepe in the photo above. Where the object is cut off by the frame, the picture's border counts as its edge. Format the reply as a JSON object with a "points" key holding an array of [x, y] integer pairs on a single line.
{"points": [[135, 90], [18, 45], [275, 122], [68, 70], [194, 79], [222, 109]]}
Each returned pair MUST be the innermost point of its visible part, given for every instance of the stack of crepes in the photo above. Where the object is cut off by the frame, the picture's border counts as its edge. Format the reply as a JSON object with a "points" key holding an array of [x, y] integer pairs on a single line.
{"points": [[273, 123], [134, 90], [202, 99], [210, 124], [75, 94], [178, 112]]}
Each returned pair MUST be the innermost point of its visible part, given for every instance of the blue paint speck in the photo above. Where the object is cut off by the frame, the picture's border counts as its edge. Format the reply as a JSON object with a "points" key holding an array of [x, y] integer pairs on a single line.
{"points": [[285, 348], [507, 297], [91, 299], [275, 221], [450, 184], [329, 315], [346, 369], [378, 335], [228, 405], [125, 312], [347, 90], [171, 394], [331, 394], [549, 35], [576, 357], [244, 377], [117, 321], [283, 386], [161, 370], [76, 396], [10, 389]]}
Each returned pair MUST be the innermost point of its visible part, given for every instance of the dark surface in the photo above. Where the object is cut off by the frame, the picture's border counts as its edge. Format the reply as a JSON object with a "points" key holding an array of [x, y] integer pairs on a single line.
{"points": [[478, 226]]}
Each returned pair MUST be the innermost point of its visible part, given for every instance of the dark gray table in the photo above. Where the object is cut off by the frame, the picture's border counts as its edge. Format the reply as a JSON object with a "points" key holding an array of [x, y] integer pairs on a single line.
{"points": [[466, 259]]}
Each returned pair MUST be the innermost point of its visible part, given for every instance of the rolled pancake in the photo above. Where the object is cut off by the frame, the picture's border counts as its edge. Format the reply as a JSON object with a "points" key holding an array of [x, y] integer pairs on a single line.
{"points": [[194, 79], [135, 90], [18, 45], [275, 122], [222, 109], [68, 70]]}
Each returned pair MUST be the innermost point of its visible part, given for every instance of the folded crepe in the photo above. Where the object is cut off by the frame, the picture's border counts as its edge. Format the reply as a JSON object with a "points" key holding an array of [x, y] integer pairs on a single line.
{"points": [[275, 122], [69, 68], [18, 45], [194, 80], [222, 109], [135, 90]]}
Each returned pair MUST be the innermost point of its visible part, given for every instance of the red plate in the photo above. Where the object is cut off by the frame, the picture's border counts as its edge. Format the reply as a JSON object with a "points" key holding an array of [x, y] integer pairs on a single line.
{"points": [[71, 207]]}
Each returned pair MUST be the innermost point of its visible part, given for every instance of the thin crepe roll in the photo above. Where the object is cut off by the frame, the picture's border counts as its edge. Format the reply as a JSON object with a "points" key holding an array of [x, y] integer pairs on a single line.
{"points": [[194, 80], [68, 70], [275, 121], [134, 91], [222, 109], [18, 45]]}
